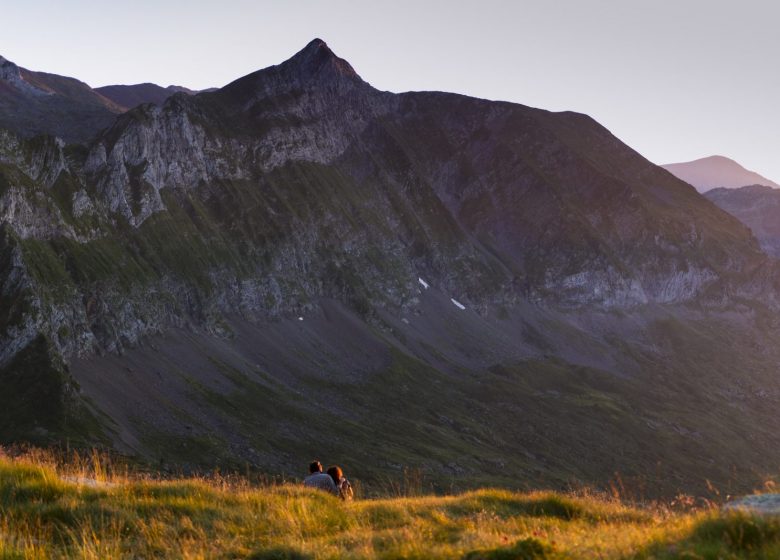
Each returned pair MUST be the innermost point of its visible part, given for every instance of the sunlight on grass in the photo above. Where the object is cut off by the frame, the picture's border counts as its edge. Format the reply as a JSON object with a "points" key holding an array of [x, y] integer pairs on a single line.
{"points": [[86, 508]]}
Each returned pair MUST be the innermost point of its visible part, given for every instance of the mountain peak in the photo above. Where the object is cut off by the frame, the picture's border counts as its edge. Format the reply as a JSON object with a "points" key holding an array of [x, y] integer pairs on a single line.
{"points": [[316, 65], [317, 57], [316, 48], [316, 43], [716, 171], [7, 69]]}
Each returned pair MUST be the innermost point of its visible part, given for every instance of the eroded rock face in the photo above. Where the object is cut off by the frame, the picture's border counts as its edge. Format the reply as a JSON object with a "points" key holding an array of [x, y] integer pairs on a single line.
{"points": [[18, 325], [31, 215], [42, 159], [163, 150]]}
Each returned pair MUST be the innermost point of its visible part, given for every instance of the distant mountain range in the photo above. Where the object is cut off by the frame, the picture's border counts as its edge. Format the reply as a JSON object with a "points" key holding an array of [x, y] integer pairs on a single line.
{"points": [[134, 95], [33, 103], [299, 265], [746, 195], [716, 171]]}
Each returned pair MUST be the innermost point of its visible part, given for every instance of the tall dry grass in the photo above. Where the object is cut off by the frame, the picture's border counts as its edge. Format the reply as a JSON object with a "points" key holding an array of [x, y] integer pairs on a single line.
{"points": [[72, 505]]}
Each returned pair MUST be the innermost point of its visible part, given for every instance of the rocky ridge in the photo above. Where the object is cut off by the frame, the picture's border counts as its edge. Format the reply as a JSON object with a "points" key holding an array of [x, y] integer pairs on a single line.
{"points": [[130, 96]]}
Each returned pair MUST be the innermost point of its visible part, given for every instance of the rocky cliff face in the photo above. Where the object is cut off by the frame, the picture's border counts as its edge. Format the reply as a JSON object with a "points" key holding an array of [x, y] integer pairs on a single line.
{"points": [[301, 184]]}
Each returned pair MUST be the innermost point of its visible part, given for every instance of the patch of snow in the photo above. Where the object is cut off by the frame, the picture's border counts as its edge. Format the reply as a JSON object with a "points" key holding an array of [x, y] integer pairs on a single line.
{"points": [[405, 320], [458, 304], [423, 283], [300, 318]]}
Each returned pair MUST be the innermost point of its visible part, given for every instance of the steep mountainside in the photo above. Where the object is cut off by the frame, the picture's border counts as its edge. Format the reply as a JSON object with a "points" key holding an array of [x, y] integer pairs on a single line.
{"points": [[137, 94], [34, 103], [757, 207], [717, 171], [566, 212], [270, 271]]}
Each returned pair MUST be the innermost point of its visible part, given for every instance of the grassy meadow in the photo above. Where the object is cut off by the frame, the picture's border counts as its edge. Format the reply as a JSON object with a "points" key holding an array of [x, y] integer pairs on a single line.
{"points": [[86, 508]]}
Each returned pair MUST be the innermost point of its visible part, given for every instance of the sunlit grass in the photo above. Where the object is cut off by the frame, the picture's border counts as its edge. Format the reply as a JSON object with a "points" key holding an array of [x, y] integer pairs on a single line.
{"points": [[87, 507]]}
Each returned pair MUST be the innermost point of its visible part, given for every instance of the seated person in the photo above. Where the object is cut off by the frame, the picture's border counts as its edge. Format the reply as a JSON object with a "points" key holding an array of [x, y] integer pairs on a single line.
{"points": [[320, 480]]}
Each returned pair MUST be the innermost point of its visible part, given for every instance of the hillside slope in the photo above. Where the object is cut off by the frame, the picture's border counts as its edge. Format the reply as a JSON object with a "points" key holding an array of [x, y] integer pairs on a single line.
{"points": [[756, 206], [33, 103]]}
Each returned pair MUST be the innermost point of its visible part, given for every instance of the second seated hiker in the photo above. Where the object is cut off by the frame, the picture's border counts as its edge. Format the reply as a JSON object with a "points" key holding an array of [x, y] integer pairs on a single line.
{"points": [[341, 482]]}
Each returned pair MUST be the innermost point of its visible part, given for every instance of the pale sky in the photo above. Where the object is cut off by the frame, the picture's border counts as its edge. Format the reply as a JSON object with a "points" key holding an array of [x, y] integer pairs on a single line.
{"points": [[675, 79]]}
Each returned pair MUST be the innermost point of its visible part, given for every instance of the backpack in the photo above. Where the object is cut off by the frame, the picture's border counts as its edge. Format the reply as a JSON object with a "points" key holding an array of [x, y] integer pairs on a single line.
{"points": [[345, 490]]}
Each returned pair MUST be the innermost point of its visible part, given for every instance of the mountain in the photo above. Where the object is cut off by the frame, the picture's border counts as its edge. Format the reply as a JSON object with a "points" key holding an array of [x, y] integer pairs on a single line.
{"points": [[133, 95], [756, 206], [716, 171], [33, 103], [300, 265]]}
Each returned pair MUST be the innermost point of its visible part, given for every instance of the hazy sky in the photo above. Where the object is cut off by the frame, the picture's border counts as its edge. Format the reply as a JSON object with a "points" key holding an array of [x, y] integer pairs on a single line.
{"points": [[675, 79]]}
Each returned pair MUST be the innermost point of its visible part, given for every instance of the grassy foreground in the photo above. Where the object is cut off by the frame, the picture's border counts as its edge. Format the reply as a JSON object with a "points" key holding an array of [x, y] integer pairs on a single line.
{"points": [[80, 511]]}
